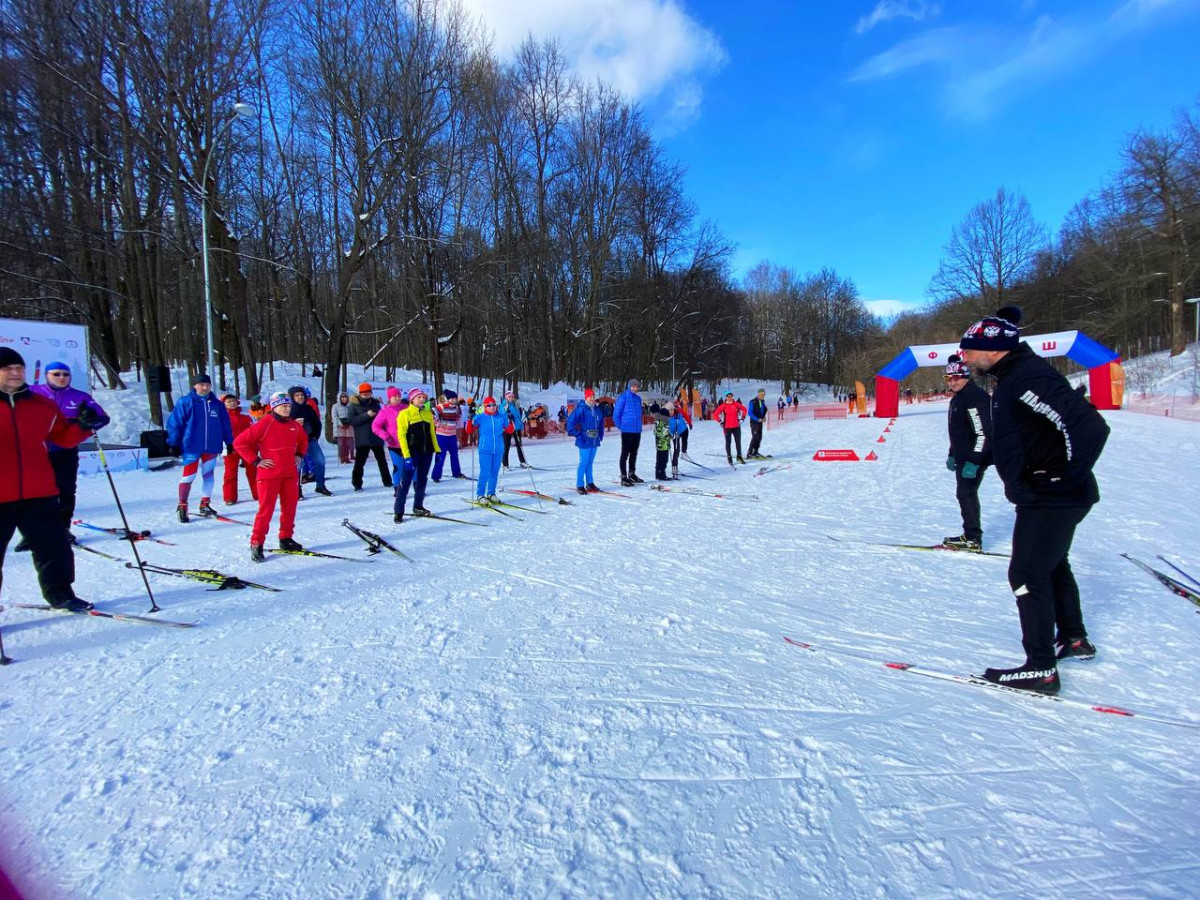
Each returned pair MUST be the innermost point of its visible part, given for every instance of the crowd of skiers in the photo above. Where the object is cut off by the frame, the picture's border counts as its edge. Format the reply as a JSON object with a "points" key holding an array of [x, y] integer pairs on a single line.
{"points": [[1041, 435]]}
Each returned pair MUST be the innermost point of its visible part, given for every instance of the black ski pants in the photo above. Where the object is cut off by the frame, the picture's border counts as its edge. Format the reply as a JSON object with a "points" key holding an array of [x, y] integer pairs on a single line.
{"points": [[967, 492], [755, 437], [1041, 579], [40, 523], [66, 473], [736, 435], [360, 459], [509, 441], [630, 440]]}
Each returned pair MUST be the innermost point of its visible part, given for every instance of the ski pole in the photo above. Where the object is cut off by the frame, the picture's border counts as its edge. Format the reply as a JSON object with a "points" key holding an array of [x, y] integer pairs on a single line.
{"points": [[536, 492], [125, 522]]}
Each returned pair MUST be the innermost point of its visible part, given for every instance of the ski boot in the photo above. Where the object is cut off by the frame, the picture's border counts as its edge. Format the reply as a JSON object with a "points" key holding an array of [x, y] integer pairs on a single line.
{"points": [[288, 544], [962, 542], [634, 478], [324, 491], [592, 489], [72, 604], [581, 490], [421, 511], [1075, 648], [1025, 678], [398, 518], [206, 511], [625, 482], [493, 500], [181, 513], [256, 553]]}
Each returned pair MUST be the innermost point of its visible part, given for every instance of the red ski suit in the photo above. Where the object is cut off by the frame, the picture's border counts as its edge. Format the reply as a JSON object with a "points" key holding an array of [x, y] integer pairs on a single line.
{"points": [[282, 441], [27, 421], [239, 422]]}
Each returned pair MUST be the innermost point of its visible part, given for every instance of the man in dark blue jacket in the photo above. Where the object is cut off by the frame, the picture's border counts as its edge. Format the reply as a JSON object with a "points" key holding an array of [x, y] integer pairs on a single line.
{"points": [[970, 425], [198, 428], [757, 415], [1045, 440]]}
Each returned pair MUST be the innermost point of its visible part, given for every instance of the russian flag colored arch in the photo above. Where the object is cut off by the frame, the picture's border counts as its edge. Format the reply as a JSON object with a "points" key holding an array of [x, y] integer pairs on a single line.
{"points": [[1074, 345]]}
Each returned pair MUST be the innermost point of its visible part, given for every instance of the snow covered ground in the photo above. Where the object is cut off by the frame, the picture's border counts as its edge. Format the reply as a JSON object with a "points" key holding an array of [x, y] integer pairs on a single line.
{"points": [[598, 701]]}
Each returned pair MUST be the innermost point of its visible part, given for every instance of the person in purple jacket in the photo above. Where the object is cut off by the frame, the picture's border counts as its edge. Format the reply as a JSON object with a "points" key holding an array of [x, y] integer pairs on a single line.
{"points": [[65, 460]]}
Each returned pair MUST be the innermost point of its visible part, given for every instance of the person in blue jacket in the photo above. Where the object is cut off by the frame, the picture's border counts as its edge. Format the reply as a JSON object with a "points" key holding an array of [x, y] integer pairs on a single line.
{"points": [[678, 430], [757, 414], [514, 424], [490, 425], [199, 428], [627, 416], [586, 423]]}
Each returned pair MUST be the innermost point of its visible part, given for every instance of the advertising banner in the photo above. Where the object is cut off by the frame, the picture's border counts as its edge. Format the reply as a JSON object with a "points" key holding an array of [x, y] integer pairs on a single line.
{"points": [[42, 343]]}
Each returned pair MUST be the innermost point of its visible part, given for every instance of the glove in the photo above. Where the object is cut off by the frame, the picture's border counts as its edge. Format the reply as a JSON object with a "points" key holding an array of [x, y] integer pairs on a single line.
{"points": [[970, 470], [89, 419], [174, 450], [409, 465], [229, 448], [950, 463]]}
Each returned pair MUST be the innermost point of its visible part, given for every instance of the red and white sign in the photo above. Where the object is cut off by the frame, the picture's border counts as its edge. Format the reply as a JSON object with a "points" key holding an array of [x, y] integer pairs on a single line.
{"points": [[835, 456]]}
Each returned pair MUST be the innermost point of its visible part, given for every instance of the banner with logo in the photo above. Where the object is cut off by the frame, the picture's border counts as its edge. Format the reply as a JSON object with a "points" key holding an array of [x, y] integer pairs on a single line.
{"points": [[42, 343]]}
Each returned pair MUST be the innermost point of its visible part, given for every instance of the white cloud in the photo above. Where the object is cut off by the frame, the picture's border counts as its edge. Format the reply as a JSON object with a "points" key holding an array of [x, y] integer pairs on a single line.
{"points": [[982, 63], [647, 49], [889, 309], [886, 10]]}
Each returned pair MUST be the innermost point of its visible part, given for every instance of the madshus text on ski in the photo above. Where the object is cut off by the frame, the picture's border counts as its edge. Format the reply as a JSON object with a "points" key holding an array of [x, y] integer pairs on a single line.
{"points": [[1042, 437]]}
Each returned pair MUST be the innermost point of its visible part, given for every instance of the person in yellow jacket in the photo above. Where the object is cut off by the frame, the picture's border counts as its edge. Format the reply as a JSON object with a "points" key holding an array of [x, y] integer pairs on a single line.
{"points": [[418, 444]]}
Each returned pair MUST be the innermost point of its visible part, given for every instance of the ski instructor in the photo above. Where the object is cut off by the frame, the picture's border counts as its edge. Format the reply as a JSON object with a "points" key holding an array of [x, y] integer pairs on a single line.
{"points": [[1045, 440]]}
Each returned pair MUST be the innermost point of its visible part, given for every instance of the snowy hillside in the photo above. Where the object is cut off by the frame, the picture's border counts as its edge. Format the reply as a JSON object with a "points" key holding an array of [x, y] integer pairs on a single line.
{"points": [[597, 700]]}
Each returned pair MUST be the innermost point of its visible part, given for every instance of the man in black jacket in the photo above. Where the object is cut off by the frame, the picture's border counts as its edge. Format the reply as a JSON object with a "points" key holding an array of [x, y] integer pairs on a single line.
{"points": [[970, 425], [1045, 440], [314, 457], [366, 441]]}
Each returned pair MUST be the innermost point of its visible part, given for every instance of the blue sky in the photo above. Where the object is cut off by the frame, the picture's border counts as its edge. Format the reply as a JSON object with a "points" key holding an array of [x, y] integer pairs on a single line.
{"points": [[856, 134]]}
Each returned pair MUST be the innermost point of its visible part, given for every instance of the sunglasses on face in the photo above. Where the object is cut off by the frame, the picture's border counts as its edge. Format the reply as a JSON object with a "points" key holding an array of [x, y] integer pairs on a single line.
{"points": [[58, 374]]}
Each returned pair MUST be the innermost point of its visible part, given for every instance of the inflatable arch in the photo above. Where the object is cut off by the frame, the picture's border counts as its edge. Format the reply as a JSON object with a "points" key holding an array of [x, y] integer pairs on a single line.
{"points": [[1074, 345]]}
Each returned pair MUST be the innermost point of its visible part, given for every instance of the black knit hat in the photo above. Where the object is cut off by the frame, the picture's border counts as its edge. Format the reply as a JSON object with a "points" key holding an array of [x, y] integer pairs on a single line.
{"points": [[10, 357], [998, 331], [202, 378]]}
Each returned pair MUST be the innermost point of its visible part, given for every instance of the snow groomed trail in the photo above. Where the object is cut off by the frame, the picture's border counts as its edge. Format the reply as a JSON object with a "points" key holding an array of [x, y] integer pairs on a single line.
{"points": [[598, 702]]}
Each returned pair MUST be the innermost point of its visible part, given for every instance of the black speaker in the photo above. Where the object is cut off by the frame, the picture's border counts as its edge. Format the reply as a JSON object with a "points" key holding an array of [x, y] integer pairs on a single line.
{"points": [[158, 378], [155, 443]]}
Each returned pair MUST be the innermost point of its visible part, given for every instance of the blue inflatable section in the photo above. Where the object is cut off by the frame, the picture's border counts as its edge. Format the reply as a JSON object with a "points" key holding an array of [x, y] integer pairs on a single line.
{"points": [[1089, 354], [901, 367]]}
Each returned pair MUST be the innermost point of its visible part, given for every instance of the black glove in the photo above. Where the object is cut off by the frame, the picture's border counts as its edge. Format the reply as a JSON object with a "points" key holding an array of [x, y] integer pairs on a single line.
{"points": [[89, 418], [173, 450], [229, 448]]}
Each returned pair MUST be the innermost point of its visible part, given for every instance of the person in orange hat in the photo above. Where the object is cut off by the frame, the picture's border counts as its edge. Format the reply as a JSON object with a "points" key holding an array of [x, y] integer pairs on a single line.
{"points": [[366, 441]]}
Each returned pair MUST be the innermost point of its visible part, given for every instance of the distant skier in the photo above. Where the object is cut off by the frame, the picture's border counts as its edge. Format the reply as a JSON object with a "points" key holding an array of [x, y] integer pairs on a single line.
{"points": [[366, 442], [238, 422], [781, 405], [662, 440], [198, 428], [970, 427], [448, 418], [681, 427], [274, 445], [489, 426], [514, 424], [586, 424], [1046, 439], [730, 414], [757, 414]]}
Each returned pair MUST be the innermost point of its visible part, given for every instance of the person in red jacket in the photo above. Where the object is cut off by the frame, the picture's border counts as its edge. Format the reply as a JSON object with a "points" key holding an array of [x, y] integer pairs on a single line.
{"points": [[730, 414], [28, 490], [275, 445], [239, 422]]}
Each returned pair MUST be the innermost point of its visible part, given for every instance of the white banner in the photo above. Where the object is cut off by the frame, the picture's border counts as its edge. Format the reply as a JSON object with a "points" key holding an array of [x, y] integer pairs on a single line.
{"points": [[1057, 344], [120, 459], [42, 343]]}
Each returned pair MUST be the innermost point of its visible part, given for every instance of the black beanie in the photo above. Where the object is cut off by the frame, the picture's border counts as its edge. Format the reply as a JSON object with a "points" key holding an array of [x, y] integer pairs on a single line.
{"points": [[998, 331], [10, 357], [202, 378]]}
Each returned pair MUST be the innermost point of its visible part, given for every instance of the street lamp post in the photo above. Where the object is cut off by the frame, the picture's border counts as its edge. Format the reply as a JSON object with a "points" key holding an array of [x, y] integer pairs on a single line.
{"points": [[1195, 301], [239, 111]]}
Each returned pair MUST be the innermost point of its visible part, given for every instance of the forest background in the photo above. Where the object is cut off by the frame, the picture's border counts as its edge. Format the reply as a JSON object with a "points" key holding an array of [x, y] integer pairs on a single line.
{"points": [[379, 188]]}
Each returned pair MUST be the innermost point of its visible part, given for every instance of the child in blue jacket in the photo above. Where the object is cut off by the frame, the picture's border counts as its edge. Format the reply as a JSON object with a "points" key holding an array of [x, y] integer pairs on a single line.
{"points": [[490, 426]]}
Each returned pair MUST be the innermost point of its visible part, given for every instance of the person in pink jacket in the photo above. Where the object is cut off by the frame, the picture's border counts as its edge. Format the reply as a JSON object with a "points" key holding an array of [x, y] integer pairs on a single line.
{"points": [[384, 426], [730, 414]]}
